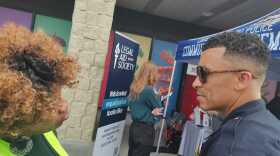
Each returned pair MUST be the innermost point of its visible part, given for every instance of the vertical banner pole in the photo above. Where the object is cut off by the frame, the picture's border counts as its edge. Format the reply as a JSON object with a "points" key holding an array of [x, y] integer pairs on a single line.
{"points": [[165, 110]]}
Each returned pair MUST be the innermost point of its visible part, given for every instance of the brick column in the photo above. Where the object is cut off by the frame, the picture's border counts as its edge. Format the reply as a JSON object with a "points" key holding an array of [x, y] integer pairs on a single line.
{"points": [[91, 25]]}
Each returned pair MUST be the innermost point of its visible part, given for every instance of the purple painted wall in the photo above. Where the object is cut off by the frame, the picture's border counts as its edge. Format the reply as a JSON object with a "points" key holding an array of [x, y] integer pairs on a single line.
{"points": [[12, 15]]}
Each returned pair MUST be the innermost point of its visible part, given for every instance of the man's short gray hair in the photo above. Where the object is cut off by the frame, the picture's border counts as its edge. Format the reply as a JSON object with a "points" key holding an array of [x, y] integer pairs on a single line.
{"points": [[248, 47]]}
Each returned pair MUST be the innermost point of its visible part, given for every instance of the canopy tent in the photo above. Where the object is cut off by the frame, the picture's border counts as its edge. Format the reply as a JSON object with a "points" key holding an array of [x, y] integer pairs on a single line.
{"points": [[266, 27]]}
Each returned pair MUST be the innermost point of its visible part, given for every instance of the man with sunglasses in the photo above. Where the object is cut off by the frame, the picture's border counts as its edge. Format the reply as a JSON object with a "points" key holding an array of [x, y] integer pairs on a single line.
{"points": [[231, 71]]}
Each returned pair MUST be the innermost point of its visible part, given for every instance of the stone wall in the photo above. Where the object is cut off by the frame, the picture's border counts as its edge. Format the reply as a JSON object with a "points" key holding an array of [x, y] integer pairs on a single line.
{"points": [[91, 25]]}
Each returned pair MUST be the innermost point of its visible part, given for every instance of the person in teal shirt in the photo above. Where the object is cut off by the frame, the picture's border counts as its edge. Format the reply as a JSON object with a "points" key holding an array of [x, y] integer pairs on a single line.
{"points": [[34, 69], [145, 107]]}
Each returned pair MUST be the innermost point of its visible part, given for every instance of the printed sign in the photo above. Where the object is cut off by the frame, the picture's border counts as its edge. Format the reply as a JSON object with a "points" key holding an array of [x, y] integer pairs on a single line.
{"points": [[114, 107]]}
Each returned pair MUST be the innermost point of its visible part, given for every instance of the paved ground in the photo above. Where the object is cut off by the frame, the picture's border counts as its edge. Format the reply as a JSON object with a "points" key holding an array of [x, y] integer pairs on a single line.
{"points": [[75, 148]]}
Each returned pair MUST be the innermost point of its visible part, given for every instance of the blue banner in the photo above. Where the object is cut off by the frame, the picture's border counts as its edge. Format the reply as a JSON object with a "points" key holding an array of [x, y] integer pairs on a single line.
{"points": [[122, 67], [266, 27]]}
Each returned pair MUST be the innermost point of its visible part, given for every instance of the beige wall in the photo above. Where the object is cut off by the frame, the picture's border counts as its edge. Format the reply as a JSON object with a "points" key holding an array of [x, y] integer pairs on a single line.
{"points": [[92, 20]]}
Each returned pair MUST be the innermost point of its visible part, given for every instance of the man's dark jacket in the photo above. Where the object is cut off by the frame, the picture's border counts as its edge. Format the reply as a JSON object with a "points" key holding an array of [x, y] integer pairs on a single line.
{"points": [[274, 106], [250, 130]]}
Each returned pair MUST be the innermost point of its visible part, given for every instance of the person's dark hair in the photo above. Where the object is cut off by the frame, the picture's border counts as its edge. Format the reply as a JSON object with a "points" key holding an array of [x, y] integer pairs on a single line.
{"points": [[242, 46]]}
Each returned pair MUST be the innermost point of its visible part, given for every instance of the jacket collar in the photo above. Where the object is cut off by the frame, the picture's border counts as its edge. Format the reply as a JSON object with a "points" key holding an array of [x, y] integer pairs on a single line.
{"points": [[246, 109]]}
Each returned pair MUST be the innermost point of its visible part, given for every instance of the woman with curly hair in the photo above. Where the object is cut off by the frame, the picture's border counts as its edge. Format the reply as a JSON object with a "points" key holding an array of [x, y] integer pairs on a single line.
{"points": [[145, 106], [34, 69]]}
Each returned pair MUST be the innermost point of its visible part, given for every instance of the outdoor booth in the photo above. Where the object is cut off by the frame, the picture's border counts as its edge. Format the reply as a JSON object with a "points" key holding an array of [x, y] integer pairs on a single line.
{"points": [[187, 57]]}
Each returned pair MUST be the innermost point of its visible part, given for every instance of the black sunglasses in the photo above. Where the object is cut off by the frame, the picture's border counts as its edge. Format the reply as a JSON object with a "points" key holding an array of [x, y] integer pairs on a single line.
{"points": [[203, 73]]}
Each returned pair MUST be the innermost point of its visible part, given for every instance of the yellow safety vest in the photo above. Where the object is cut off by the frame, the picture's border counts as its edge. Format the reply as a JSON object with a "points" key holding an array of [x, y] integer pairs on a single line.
{"points": [[49, 136]]}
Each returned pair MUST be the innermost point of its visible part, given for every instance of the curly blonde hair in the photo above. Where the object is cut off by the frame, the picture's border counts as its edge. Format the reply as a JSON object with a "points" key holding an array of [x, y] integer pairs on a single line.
{"points": [[32, 65]]}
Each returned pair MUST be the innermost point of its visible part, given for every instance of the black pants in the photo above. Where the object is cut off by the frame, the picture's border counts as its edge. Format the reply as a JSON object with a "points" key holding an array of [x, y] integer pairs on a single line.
{"points": [[141, 139]]}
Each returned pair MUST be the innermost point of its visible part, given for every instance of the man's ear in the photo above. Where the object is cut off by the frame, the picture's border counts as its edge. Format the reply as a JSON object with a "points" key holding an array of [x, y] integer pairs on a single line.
{"points": [[243, 80]]}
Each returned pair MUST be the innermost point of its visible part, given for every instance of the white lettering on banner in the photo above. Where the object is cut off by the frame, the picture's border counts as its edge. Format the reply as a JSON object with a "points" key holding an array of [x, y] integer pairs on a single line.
{"points": [[115, 103], [264, 36], [265, 32], [192, 50], [125, 65], [274, 41], [271, 38], [124, 57], [127, 50], [256, 29], [118, 93], [114, 111]]}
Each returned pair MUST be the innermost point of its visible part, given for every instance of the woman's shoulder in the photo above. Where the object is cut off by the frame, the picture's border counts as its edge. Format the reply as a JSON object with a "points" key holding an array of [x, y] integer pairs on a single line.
{"points": [[148, 91]]}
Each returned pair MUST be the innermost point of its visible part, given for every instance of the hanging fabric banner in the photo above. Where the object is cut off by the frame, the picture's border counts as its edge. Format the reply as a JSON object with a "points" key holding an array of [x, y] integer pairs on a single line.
{"points": [[123, 58], [266, 27]]}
